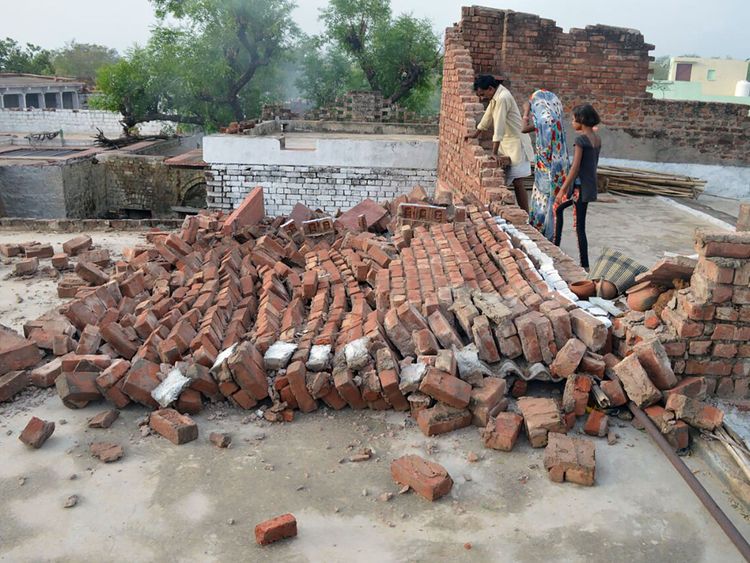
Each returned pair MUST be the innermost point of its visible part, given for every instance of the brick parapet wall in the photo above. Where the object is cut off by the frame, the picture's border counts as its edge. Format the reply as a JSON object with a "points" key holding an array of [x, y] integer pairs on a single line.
{"points": [[328, 188], [604, 65]]}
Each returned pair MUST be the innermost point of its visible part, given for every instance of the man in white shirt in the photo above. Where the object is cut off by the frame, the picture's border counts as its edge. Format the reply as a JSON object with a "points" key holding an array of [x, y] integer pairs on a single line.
{"points": [[510, 145]]}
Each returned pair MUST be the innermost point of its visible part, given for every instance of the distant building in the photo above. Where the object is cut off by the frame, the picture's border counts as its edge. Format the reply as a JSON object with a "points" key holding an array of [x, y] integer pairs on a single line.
{"points": [[717, 77], [25, 91]]}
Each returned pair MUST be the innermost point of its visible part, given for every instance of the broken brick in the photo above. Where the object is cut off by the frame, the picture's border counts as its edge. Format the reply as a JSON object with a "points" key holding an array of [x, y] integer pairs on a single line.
{"points": [[570, 459], [275, 529], [428, 479], [502, 432], [36, 432], [175, 427]]}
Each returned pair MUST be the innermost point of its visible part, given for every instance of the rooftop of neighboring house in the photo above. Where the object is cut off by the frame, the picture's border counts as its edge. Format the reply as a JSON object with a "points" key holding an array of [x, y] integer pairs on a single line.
{"points": [[21, 80]]}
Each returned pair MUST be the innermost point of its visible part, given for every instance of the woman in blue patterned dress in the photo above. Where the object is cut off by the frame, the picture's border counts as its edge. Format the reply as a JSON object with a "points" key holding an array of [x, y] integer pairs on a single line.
{"points": [[552, 161]]}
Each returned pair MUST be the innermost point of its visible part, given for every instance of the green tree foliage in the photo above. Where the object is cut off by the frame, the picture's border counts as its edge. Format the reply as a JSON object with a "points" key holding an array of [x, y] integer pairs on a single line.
{"points": [[326, 73], [215, 63], [400, 57], [28, 58], [661, 67], [82, 60]]}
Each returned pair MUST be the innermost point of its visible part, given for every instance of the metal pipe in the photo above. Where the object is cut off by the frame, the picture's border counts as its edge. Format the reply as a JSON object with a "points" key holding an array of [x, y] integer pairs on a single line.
{"points": [[721, 519]]}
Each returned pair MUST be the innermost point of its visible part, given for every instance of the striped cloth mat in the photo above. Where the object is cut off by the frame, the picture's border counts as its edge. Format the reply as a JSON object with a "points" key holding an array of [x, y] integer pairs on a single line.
{"points": [[617, 268]]}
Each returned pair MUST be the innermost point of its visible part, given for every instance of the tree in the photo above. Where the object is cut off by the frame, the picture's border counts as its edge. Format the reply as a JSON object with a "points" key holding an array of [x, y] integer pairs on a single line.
{"points": [[82, 60], [215, 64], [661, 67], [400, 57], [327, 73], [30, 59]]}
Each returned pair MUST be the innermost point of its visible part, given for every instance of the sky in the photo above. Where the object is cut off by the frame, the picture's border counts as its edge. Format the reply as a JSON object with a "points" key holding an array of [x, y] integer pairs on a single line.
{"points": [[676, 27]]}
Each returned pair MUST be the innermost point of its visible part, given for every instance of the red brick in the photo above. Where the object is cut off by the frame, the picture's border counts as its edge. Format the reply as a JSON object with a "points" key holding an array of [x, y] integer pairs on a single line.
{"points": [[541, 416], [60, 261], [36, 432], [107, 452], [250, 212], [12, 383], [485, 340], [568, 358], [428, 479], [104, 419], [694, 412], [588, 329], [175, 427], [343, 379], [441, 419], [597, 424], [189, 402], [446, 388], [425, 343], [39, 251], [76, 245], [653, 357], [485, 398], [636, 382], [77, 389], [614, 392], [502, 433], [279, 528], [116, 337], [91, 273], [26, 267], [443, 331], [296, 374], [44, 376], [570, 459], [141, 379]]}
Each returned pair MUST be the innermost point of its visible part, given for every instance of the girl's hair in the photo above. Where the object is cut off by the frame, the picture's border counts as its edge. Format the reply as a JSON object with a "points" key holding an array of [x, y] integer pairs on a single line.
{"points": [[484, 81], [585, 114]]}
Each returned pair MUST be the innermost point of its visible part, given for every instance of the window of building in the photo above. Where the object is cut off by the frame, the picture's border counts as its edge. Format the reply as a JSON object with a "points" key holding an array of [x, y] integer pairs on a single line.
{"points": [[32, 101], [711, 74], [683, 72], [11, 101], [68, 100], [50, 100]]}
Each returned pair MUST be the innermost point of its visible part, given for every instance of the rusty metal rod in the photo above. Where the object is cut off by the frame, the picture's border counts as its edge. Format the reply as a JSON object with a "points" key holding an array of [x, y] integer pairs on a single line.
{"points": [[692, 481]]}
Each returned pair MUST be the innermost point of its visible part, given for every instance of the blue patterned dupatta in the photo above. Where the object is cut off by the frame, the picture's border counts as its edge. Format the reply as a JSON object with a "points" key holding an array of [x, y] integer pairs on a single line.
{"points": [[552, 161]]}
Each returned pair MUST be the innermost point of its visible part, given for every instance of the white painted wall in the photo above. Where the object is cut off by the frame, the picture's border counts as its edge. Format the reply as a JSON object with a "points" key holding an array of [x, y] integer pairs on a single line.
{"points": [[348, 152], [72, 122]]}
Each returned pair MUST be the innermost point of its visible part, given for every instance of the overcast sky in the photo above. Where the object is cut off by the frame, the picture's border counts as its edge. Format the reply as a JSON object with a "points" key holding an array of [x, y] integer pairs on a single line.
{"points": [[715, 28]]}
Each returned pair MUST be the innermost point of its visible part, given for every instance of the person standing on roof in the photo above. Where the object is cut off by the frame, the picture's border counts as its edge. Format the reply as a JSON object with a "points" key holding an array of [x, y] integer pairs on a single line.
{"points": [[510, 145]]}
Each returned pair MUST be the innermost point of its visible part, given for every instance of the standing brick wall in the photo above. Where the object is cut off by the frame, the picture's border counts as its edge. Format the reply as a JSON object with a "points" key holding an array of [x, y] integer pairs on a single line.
{"points": [[329, 188], [607, 66]]}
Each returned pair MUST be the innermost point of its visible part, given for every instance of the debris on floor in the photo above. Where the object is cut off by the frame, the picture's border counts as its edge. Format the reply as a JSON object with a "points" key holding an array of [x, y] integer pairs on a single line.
{"points": [[276, 529]]}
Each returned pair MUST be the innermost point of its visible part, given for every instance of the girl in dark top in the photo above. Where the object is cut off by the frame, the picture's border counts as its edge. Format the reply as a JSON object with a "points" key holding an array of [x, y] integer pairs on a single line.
{"points": [[580, 185]]}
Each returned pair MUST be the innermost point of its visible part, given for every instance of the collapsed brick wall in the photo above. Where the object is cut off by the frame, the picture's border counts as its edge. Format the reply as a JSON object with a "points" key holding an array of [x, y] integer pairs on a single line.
{"points": [[328, 188], [604, 65]]}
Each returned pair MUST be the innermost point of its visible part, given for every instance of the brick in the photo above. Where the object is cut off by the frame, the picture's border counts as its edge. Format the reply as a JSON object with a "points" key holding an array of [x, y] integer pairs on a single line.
{"points": [[39, 251], [614, 392], [60, 261], [189, 402], [12, 383], [175, 427], [502, 433], [76, 245], [115, 336], [653, 357], [44, 376], [77, 389], [532, 348], [296, 374], [428, 479], [220, 439], [576, 394], [246, 365], [443, 331], [343, 379], [141, 379], [276, 529], [570, 459], [398, 334], [36, 432], [694, 412], [636, 382], [10, 250], [485, 340], [26, 267], [485, 398], [441, 419], [425, 343], [104, 419], [250, 212], [588, 329], [568, 358], [597, 424], [446, 388], [91, 273], [445, 360], [541, 416]]}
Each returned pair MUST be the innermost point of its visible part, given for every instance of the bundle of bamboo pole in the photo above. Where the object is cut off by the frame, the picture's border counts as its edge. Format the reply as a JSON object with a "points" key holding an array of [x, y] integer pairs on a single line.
{"points": [[648, 182]]}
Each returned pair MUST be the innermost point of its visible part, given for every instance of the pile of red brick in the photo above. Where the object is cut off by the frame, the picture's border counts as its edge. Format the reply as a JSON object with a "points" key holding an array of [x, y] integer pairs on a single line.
{"points": [[442, 319]]}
